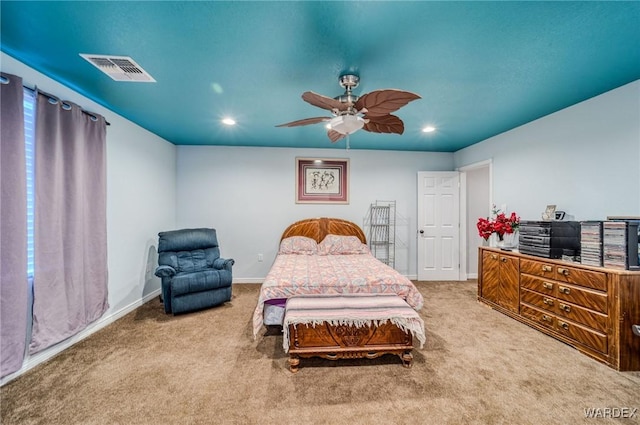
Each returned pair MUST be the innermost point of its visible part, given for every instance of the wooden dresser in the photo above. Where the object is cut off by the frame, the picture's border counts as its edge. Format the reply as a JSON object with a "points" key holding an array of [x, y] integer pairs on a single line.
{"points": [[590, 308]]}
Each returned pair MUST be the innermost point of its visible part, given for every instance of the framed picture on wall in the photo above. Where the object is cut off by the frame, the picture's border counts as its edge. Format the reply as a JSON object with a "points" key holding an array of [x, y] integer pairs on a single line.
{"points": [[322, 181]]}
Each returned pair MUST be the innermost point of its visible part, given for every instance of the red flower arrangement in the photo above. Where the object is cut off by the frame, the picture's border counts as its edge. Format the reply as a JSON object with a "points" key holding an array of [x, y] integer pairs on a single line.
{"points": [[501, 224]]}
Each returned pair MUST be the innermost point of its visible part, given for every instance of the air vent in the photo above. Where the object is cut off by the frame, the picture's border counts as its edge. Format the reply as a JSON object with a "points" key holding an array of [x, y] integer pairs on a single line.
{"points": [[119, 68]]}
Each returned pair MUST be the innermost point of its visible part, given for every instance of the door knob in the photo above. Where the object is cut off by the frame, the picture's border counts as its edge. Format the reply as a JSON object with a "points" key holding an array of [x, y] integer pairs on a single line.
{"points": [[422, 232]]}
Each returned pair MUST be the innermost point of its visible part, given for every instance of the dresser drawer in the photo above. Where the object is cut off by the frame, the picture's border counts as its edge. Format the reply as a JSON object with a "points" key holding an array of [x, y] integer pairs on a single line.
{"points": [[544, 302], [537, 268], [538, 284], [588, 278], [583, 335], [572, 330], [563, 309], [567, 274], [589, 318], [582, 296], [540, 316]]}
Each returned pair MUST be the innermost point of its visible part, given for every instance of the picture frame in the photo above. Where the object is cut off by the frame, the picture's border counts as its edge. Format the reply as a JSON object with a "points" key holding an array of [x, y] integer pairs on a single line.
{"points": [[549, 213], [322, 181]]}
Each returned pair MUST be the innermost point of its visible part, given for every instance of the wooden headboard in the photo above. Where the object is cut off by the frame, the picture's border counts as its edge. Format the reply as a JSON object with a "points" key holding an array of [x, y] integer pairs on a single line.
{"points": [[318, 228]]}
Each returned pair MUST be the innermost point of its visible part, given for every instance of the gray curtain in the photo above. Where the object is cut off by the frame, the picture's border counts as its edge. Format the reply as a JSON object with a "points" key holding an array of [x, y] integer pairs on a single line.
{"points": [[70, 279], [13, 227]]}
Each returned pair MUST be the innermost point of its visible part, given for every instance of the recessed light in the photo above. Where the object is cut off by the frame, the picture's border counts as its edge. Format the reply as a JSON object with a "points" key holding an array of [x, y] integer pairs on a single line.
{"points": [[228, 121], [429, 129]]}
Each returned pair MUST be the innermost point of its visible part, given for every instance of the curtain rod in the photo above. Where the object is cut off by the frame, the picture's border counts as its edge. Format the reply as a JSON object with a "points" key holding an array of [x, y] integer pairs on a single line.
{"points": [[5, 80], [33, 90], [83, 111]]}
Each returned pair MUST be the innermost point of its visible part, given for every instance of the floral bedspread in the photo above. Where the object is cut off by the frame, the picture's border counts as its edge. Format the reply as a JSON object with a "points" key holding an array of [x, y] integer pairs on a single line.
{"points": [[293, 274]]}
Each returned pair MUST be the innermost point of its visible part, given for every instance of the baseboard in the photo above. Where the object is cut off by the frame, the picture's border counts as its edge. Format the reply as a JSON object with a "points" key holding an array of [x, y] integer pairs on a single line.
{"points": [[472, 276], [249, 280], [32, 361]]}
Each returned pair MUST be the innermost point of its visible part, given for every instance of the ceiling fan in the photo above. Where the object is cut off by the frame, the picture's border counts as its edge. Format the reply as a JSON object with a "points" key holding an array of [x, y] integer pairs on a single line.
{"points": [[350, 112]]}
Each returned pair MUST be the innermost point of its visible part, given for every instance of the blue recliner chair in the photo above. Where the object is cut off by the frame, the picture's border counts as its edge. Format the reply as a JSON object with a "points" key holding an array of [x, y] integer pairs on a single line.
{"points": [[193, 275]]}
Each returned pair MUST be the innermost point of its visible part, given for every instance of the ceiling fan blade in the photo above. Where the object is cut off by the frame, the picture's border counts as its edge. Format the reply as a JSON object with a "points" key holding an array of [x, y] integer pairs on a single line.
{"points": [[325, 102], [385, 124], [305, 121], [383, 102], [334, 136]]}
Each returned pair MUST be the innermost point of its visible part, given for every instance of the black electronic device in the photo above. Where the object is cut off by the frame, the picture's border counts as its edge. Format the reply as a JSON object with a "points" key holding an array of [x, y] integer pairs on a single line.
{"points": [[549, 239]]}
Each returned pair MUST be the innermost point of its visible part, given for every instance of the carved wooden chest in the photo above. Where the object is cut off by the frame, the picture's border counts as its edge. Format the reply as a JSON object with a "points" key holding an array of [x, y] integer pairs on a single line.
{"points": [[349, 326], [348, 342]]}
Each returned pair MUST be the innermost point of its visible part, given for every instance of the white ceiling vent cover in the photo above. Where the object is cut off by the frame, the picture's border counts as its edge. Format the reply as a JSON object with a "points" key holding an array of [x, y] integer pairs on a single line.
{"points": [[119, 68]]}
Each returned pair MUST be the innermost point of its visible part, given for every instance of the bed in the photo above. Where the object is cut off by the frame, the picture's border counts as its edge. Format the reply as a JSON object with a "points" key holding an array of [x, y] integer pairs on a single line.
{"points": [[326, 256]]}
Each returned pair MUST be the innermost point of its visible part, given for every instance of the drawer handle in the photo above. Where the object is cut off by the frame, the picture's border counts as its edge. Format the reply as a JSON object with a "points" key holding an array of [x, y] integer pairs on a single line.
{"points": [[564, 325], [546, 318], [503, 259], [564, 289], [565, 307], [546, 268], [563, 271], [547, 301], [547, 285]]}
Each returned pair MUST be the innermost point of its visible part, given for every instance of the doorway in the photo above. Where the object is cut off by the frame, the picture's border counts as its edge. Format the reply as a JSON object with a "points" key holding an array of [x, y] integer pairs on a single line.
{"points": [[478, 202]]}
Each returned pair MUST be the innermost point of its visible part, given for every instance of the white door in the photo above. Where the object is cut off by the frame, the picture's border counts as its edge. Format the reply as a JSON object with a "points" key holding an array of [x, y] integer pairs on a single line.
{"points": [[438, 225]]}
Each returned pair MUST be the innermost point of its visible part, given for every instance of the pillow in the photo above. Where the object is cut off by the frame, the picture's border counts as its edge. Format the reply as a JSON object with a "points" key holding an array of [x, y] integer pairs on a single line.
{"points": [[298, 245], [337, 245]]}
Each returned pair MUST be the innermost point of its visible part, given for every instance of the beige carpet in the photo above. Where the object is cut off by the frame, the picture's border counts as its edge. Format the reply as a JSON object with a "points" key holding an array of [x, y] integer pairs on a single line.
{"points": [[478, 367]]}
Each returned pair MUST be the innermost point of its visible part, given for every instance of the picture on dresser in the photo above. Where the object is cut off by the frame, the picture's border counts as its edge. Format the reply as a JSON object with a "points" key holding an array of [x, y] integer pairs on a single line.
{"points": [[549, 213]]}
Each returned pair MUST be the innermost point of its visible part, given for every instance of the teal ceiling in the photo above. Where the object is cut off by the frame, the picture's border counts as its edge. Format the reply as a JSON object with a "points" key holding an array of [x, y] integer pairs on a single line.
{"points": [[482, 68]]}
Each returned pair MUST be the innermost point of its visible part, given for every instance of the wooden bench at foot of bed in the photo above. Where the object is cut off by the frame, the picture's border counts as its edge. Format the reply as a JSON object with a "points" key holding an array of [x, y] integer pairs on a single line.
{"points": [[350, 327], [348, 342]]}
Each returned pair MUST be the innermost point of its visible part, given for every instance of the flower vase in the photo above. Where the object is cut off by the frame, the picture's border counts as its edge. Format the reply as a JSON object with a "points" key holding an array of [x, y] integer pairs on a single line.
{"points": [[508, 241], [493, 240]]}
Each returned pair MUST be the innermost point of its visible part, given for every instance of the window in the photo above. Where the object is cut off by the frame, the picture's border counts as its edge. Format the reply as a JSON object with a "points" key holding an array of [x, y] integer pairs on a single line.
{"points": [[29, 136]]}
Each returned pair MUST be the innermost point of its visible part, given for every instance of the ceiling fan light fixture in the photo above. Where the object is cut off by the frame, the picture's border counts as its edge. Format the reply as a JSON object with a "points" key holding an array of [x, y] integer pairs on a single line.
{"points": [[346, 124]]}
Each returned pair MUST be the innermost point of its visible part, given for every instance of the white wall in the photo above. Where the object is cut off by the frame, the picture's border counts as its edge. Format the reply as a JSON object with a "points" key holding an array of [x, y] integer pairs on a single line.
{"points": [[585, 159], [247, 194], [141, 198]]}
